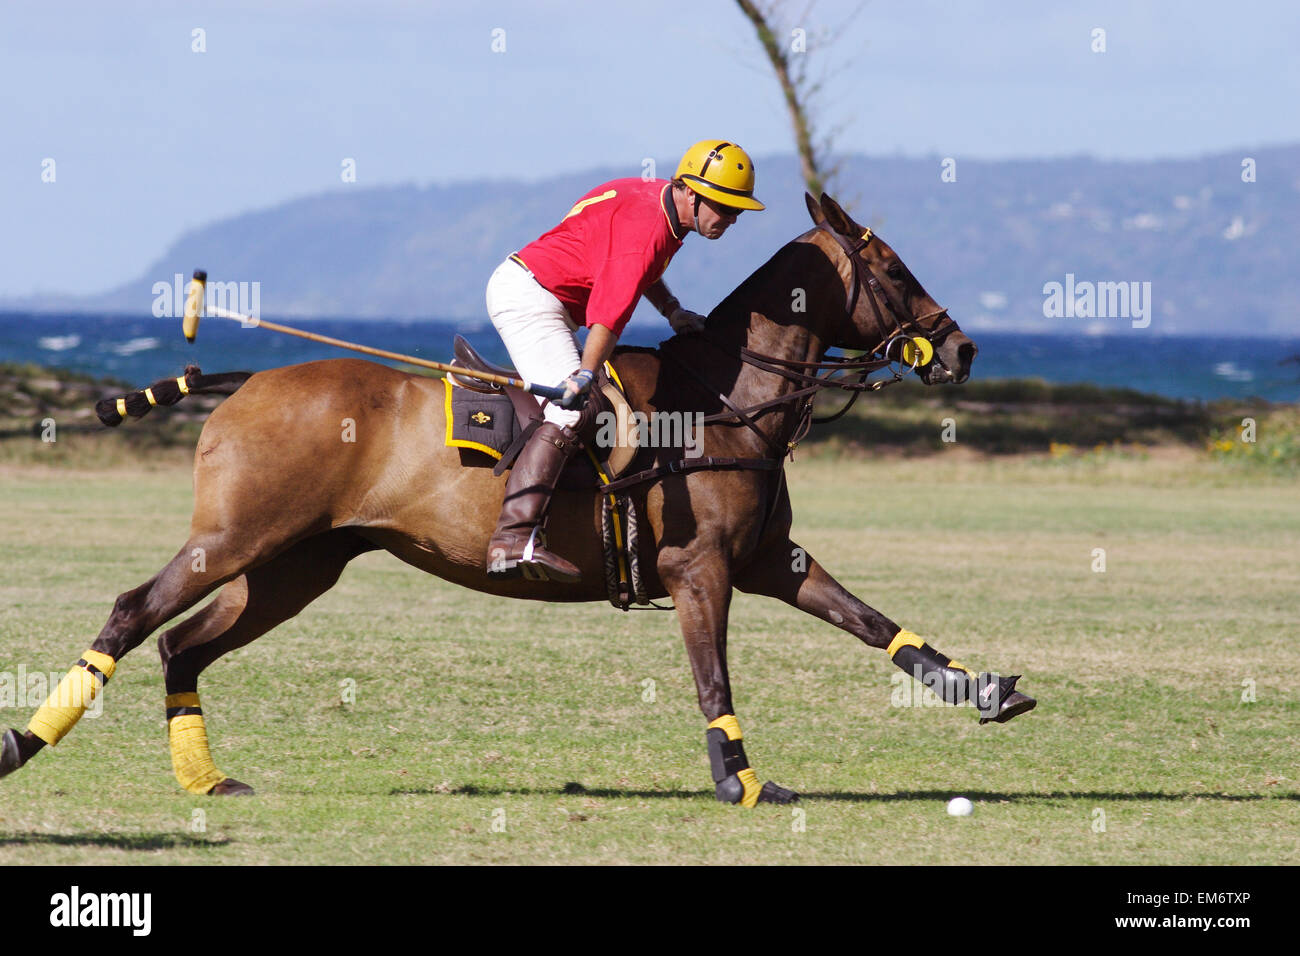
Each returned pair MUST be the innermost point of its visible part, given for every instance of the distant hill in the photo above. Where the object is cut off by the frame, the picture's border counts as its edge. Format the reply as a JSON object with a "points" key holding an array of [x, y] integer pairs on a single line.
{"points": [[1219, 252]]}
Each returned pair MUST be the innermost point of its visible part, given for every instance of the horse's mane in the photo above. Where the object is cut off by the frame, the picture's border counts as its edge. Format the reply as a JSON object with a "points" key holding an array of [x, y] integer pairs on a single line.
{"points": [[798, 262]]}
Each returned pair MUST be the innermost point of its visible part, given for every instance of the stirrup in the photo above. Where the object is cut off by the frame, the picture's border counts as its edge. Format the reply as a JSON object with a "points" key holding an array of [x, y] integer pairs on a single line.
{"points": [[531, 570]]}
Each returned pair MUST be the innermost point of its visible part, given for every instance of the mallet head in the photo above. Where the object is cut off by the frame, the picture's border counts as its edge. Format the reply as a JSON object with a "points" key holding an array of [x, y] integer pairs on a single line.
{"points": [[194, 305]]}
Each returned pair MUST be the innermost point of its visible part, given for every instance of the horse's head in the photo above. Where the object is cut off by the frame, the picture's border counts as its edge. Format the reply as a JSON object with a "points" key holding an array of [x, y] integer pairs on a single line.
{"points": [[887, 306]]}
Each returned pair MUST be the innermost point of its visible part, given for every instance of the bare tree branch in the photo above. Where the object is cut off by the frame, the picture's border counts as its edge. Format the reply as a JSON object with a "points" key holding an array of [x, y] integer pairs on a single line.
{"points": [[801, 87], [791, 83]]}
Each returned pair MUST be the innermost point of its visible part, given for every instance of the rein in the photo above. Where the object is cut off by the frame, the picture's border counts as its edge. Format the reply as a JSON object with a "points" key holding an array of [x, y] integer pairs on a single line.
{"points": [[904, 331], [905, 325]]}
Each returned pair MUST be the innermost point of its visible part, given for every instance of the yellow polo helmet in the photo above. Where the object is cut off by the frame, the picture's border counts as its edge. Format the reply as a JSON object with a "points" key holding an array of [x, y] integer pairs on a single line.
{"points": [[721, 171]]}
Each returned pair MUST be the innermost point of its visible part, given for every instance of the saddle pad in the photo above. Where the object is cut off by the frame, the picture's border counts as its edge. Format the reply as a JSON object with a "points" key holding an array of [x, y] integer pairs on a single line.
{"points": [[478, 420], [612, 424]]}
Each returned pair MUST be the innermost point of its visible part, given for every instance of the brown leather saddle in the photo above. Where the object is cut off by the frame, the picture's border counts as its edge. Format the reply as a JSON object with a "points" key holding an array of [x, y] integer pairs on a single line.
{"points": [[607, 409]]}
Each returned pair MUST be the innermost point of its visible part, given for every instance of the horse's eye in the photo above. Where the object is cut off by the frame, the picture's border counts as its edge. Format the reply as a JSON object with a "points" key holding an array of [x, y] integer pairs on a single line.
{"points": [[895, 271]]}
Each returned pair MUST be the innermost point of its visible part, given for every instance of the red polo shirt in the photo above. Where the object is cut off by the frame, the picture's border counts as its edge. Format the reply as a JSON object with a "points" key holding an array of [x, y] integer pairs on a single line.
{"points": [[610, 247]]}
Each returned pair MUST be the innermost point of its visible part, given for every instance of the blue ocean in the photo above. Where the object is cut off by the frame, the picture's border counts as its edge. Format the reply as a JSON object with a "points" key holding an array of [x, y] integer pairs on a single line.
{"points": [[141, 350]]}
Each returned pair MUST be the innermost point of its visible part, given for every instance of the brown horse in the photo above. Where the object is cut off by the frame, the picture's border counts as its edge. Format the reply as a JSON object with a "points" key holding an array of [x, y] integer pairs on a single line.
{"points": [[285, 498]]}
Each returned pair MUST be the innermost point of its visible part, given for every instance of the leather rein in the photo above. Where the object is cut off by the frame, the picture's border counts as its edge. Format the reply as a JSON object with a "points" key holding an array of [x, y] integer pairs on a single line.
{"points": [[904, 328]]}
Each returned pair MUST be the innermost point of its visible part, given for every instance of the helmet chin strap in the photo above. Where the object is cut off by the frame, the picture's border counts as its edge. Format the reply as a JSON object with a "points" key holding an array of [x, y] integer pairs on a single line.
{"points": [[696, 213]]}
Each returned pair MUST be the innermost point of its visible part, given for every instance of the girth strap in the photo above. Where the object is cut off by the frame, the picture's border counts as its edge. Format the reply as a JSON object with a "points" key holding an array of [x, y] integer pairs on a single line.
{"points": [[692, 464]]}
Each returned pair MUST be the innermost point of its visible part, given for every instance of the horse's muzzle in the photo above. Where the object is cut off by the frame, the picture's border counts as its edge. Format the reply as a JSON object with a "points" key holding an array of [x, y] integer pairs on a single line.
{"points": [[952, 361]]}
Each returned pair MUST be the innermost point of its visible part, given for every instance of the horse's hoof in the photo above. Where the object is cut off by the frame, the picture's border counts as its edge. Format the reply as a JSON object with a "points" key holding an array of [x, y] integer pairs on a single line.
{"points": [[771, 793], [10, 756], [1011, 702], [1015, 705], [731, 790], [231, 788]]}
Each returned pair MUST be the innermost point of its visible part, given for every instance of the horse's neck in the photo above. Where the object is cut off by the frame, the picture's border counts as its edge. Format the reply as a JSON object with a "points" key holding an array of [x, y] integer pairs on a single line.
{"points": [[782, 311]]}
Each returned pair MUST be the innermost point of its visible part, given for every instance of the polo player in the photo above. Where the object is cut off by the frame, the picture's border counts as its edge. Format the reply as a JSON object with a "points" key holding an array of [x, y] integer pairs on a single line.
{"points": [[610, 249]]}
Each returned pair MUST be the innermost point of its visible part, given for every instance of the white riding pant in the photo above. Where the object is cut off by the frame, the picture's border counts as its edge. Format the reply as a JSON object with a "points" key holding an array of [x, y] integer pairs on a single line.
{"points": [[537, 330]]}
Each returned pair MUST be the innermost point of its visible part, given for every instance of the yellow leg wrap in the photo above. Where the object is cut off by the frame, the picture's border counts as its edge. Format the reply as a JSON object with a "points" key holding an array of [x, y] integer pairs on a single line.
{"points": [[752, 787], [907, 639], [729, 725], [191, 759], [903, 639], [67, 702], [962, 667]]}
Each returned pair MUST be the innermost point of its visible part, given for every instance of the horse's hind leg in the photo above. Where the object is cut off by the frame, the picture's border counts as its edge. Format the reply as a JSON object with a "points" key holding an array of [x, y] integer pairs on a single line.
{"points": [[203, 564], [246, 608]]}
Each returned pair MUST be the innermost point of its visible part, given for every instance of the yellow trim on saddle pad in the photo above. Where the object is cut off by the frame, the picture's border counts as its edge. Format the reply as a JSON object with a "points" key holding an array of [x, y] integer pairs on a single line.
{"points": [[462, 442]]}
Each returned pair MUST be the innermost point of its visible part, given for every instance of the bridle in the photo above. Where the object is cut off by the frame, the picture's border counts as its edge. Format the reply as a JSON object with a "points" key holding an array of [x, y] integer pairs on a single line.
{"points": [[905, 336], [906, 326]]}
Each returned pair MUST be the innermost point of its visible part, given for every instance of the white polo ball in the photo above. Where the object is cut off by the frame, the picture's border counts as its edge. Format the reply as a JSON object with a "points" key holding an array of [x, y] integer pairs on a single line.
{"points": [[960, 807]]}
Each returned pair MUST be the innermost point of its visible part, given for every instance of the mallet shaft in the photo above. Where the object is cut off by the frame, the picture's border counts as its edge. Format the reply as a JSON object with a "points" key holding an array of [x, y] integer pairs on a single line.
{"points": [[546, 391]]}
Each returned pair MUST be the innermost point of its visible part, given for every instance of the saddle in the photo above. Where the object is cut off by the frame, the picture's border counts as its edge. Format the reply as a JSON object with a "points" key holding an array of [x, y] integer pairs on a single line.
{"points": [[499, 421]]}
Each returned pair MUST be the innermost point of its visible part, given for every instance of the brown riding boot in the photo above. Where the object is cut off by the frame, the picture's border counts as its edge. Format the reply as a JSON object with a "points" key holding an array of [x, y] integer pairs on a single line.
{"points": [[518, 546]]}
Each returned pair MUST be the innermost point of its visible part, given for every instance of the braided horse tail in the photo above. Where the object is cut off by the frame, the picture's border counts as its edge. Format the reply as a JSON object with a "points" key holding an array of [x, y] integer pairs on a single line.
{"points": [[167, 391]]}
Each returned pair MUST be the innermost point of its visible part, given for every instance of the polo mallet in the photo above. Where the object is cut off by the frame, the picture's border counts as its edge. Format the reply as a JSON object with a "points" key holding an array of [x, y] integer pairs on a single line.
{"points": [[195, 309]]}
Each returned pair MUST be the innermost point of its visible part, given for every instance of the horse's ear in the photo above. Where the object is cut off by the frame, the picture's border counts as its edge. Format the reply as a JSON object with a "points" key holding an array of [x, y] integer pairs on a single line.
{"points": [[837, 218], [814, 210]]}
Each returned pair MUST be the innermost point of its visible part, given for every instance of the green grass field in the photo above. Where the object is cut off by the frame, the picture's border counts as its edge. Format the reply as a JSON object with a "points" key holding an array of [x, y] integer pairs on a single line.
{"points": [[488, 731]]}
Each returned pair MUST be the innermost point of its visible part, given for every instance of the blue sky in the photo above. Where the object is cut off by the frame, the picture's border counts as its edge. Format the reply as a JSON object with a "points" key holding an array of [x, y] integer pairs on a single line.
{"points": [[150, 138]]}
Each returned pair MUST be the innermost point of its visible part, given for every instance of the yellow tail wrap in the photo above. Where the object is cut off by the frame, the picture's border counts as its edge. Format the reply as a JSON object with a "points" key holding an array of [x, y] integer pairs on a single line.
{"points": [[903, 639], [67, 702], [752, 787], [121, 407], [183, 385], [729, 725], [191, 759]]}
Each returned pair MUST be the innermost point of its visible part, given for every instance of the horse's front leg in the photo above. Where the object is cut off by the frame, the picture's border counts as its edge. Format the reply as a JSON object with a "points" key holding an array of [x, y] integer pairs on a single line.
{"points": [[700, 585], [788, 572]]}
